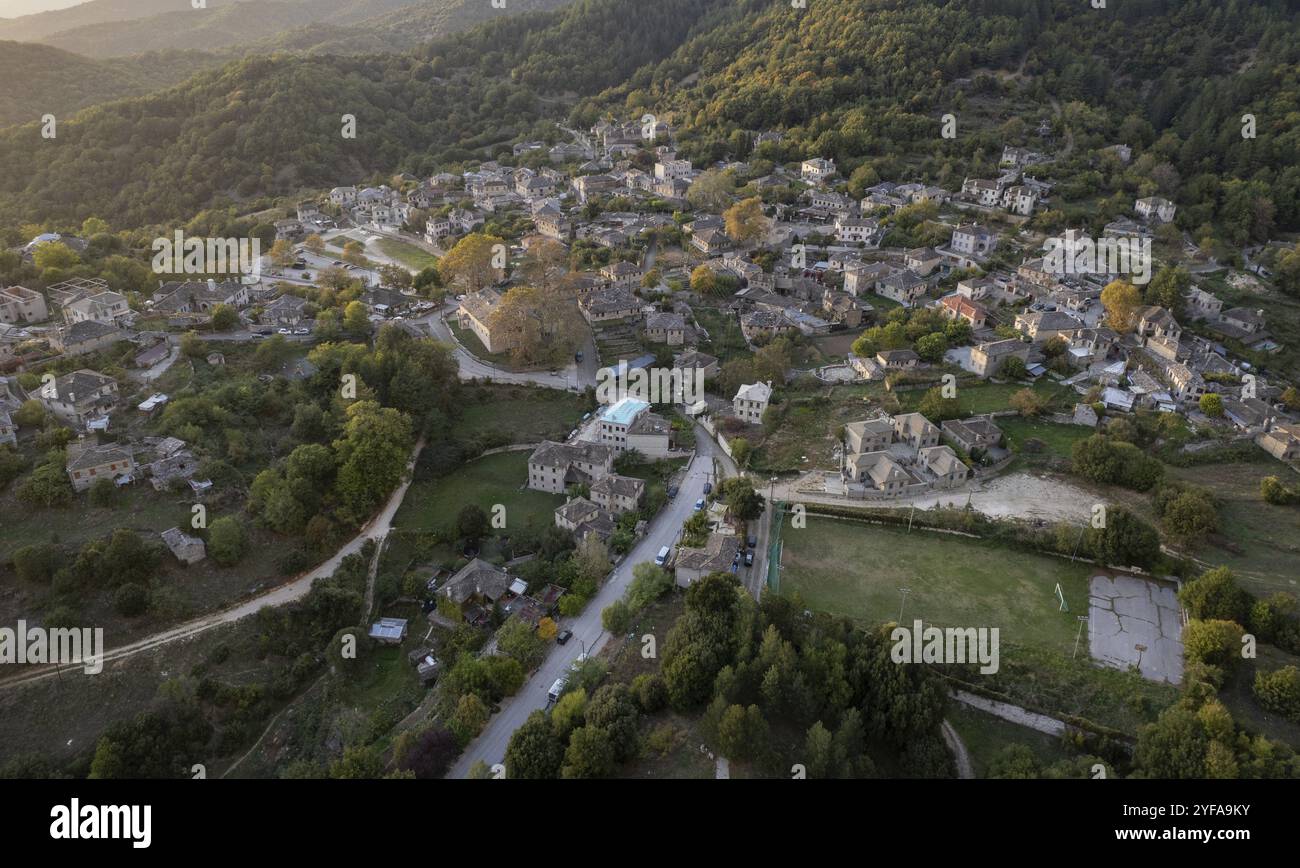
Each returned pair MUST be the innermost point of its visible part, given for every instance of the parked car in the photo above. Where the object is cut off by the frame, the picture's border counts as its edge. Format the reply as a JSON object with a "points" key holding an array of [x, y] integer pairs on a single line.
{"points": [[749, 558], [284, 331], [751, 541], [563, 636], [662, 557], [708, 488], [257, 336], [699, 504], [302, 331], [577, 357], [557, 689], [672, 491]]}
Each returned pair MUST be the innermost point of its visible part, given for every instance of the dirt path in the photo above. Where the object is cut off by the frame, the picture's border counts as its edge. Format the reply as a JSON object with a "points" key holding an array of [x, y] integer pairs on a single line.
{"points": [[965, 770]]}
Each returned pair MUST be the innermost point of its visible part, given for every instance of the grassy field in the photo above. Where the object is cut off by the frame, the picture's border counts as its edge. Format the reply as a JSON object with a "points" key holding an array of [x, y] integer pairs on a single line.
{"points": [[1238, 695], [1058, 440], [414, 258], [856, 570], [494, 479], [1258, 541], [528, 414], [988, 397], [725, 338], [985, 735], [470, 341]]}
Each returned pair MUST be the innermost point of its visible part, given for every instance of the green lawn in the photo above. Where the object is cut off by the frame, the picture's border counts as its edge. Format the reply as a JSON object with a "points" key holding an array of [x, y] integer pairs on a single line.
{"points": [[494, 479], [470, 341], [527, 414], [1058, 439], [987, 397], [855, 569], [414, 258]]}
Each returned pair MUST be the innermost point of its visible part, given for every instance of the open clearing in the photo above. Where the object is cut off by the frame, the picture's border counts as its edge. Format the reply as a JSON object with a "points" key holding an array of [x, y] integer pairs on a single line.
{"points": [[494, 479]]}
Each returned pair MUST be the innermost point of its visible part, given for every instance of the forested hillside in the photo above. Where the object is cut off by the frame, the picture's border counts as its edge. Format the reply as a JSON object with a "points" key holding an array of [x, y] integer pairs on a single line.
{"points": [[233, 25], [863, 81], [273, 125], [44, 80], [31, 28], [867, 83]]}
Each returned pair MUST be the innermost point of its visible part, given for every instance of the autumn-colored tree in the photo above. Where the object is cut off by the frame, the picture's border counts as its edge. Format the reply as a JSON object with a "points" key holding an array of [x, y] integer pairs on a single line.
{"points": [[541, 325], [282, 253], [354, 253], [476, 262], [314, 243], [1121, 300], [746, 221]]}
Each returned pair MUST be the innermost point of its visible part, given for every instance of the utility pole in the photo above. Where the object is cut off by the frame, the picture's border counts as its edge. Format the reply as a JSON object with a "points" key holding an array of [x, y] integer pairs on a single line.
{"points": [[904, 592], [1078, 635]]}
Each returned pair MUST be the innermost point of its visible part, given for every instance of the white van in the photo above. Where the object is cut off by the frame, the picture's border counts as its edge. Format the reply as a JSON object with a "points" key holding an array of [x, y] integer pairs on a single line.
{"points": [[662, 557], [557, 689]]}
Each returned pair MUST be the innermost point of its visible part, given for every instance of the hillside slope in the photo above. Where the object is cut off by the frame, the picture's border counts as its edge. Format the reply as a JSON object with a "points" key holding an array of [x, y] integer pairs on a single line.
{"points": [[45, 80]]}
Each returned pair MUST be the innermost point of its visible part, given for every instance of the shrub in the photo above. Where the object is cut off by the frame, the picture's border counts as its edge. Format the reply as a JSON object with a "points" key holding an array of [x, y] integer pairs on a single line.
{"points": [[131, 600]]}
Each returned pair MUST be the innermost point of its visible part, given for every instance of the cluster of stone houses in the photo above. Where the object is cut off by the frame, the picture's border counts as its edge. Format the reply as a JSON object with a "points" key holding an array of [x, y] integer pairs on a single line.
{"points": [[896, 455]]}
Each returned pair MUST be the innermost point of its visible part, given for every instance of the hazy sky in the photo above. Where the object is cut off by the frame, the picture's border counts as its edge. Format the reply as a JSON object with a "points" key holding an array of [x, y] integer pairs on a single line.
{"points": [[14, 8]]}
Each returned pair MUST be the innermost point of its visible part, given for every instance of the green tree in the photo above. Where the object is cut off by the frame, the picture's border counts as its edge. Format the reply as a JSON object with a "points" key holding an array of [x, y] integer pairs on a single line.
{"points": [[589, 755], [226, 541], [534, 751], [1211, 405], [224, 318]]}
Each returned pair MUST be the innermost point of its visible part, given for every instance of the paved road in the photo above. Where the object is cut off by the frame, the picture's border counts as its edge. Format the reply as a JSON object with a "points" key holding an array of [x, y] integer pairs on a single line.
{"points": [[490, 746], [377, 528], [573, 376]]}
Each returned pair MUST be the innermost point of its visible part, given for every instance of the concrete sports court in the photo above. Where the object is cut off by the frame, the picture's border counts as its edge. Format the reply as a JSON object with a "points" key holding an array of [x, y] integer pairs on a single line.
{"points": [[1136, 622]]}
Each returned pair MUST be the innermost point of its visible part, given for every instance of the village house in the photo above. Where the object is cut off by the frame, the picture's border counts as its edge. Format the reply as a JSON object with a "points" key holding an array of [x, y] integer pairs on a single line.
{"points": [[435, 228], [605, 305], [880, 470], [751, 401], [80, 396], [1154, 321], [861, 278], [185, 548], [1019, 200], [957, 307], [629, 426], [18, 304], [551, 222], [761, 325], [1280, 441], [904, 287], [973, 240], [693, 360], [817, 170], [84, 337], [476, 313], [897, 360], [947, 468], [858, 230], [1245, 320], [107, 307], [622, 274], [1041, 326], [718, 554], [1155, 208], [588, 187], [871, 435], [666, 328], [553, 467], [1185, 383], [188, 297], [1199, 304], [915, 430], [618, 494], [87, 463], [981, 191], [988, 358], [343, 196], [843, 308], [582, 518], [975, 433], [287, 310], [976, 288], [922, 260], [476, 588]]}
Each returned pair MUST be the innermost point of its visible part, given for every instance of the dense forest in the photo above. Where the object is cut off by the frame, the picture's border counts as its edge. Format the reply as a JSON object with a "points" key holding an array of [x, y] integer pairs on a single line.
{"points": [[863, 81]]}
